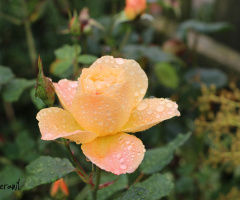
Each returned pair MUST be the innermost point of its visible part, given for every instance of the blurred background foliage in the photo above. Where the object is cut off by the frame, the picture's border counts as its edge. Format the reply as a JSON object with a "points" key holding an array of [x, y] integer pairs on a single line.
{"points": [[167, 46]]}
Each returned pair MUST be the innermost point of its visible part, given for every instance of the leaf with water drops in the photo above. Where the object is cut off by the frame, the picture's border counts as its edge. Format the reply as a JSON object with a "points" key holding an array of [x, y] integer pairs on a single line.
{"points": [[136, 193], [156, 159], [45, 170], [153, 188]]}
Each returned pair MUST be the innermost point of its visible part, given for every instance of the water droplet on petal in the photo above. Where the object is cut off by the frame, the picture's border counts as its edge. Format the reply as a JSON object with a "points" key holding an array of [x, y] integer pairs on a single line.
{"points": [[122, 166], [127, 142], [119, 61], [169, 105], [136, 93], [150, 112], [122, 160], [142, 91], [131, 72], [118, 155], [100, 123], [129, 147], [157, 116], [142, 106], [160, 108]]}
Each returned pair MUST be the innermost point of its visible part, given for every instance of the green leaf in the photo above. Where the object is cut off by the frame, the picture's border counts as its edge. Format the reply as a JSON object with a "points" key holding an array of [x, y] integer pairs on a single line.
{"points": [[60, 67], [67, 52], [9, 175], [37, 101], [202, 27], [46, 170], [198, 76], [167, 75], [120, 184], [154, 54], [5, 75], [120, 18], [136, 193], [153, 188], [156, 159], [87, 59], [13, 90], [26, 147]]}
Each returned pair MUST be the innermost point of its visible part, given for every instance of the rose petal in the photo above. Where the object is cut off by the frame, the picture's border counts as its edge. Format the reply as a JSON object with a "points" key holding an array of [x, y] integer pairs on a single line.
{"points": [[133, 72], [120, 153], [99, 114], [56, 122], [149, 113], [66, 90]]}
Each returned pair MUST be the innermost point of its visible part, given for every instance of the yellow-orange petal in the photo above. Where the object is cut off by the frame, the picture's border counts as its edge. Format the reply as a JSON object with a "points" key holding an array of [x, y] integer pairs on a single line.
{"points": [[149, 113], [119, 153], [98, 114], [133, 72], [66, 90], [56, 123]]}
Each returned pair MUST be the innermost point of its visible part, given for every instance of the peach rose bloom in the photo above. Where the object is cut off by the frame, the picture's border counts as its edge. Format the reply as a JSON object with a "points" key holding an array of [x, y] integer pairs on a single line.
{"points": [[100, 108], [134, 8]]}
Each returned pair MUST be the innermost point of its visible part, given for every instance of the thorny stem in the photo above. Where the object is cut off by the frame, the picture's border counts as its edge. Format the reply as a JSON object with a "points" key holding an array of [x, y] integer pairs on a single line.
{"points": [[96, 186], [30, 40], [80, 171]]}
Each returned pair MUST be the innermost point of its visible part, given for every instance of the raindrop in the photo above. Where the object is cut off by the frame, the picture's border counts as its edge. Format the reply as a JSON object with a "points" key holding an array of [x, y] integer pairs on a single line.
{"points": [[169, 105], [142, 91], [136, 93], [149, 112], [100, 123], [118, 155], [129, 147], [108, 112], [157, 116], [142, 106], [151, 97], [122, 166], [131, 72], [122, 160], [160, 108], [127, 142]]}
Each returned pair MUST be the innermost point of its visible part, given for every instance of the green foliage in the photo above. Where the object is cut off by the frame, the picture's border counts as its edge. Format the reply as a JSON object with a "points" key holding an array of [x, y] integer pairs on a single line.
{"points": [[44, 88], [154, 54], [15, 87], [67, 52], [86, 59], [202, 27], [5, 75], [156, 159], [10, 175], [37, 101], [198, 76], [120, 184], [153, 188], [167, 75], [46, 170]]}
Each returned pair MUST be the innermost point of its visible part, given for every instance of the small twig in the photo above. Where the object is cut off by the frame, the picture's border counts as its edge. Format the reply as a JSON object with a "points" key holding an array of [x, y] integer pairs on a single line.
{"points": [[139, 178], [108, 183]]}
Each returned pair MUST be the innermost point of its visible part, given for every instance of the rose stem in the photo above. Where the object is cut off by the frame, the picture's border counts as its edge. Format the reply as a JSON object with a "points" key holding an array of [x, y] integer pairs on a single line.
{"points": [[80, 171], [96, 187]]}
